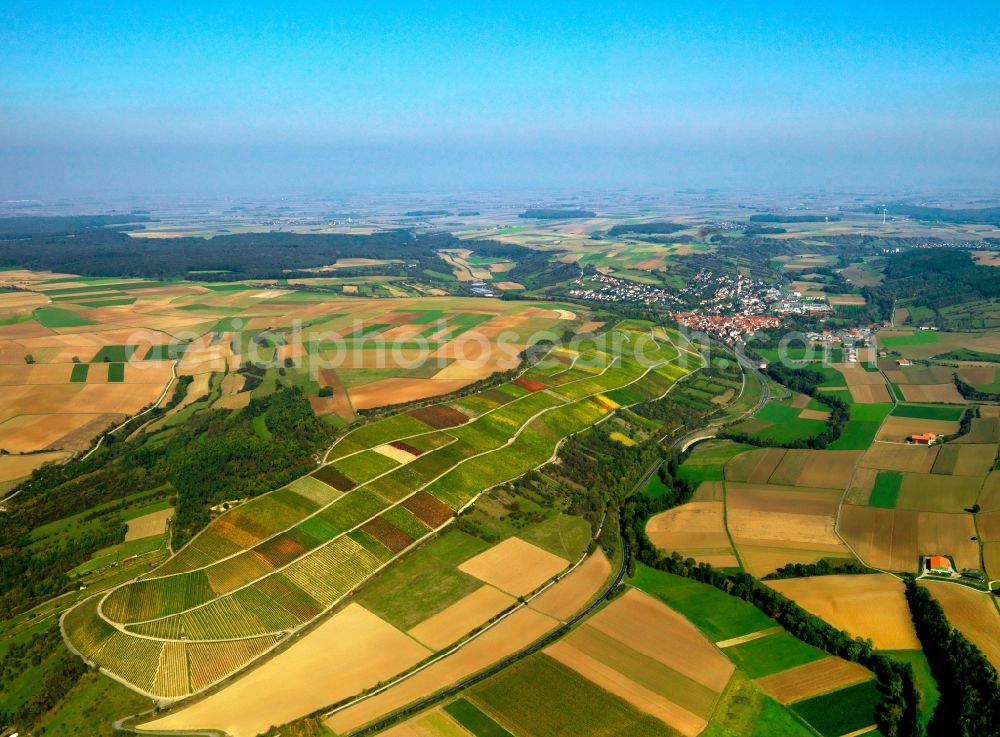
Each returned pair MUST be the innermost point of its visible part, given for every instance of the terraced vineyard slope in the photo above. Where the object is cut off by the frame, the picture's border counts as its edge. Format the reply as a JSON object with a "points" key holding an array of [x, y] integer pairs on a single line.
{"points": [[272, 565]]}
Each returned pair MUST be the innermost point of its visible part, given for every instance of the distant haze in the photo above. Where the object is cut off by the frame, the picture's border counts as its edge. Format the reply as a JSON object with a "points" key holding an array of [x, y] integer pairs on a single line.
{"points": [[154, 99]]}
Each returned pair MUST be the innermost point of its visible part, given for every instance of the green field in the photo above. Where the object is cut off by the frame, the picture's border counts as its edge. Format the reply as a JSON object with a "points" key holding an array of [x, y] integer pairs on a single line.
{"points": [[716, 613], [165, 352], [885, 493], [92, 706], [843, 711], [116, 372], [919, 337], [473, 719], [772, 654], [779, 421], [746, 711], [424, 582], [114, 354], [928, 412], [79, 373], [523, 696], [861, 429], [925, 680], [57, 317], [708, 459]]}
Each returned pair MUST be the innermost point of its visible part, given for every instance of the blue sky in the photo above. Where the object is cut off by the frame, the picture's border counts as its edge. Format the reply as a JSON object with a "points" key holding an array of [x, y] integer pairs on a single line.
{"points": [[159, 95]]}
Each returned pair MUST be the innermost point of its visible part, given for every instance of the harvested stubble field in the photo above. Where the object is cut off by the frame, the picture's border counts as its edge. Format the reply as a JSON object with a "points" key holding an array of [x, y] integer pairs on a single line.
{"points": [[972, 613], [514, 566], [769, 523], [352, 650], [847, 603], [811, 679], [900, 457], [273, 564], [696, 530]]}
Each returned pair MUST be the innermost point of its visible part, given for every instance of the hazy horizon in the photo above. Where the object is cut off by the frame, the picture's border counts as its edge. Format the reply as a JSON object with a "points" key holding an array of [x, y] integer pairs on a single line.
{"points": [[150, 99]]}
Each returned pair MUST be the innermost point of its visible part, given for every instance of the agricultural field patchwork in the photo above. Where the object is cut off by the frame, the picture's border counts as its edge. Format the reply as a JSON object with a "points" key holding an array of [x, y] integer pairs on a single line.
{"points": [[104, 350], [271, 565]]}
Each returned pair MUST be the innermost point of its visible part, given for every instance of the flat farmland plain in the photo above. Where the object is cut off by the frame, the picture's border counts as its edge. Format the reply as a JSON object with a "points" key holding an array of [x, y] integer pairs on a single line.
{"points": [[73, 362]]}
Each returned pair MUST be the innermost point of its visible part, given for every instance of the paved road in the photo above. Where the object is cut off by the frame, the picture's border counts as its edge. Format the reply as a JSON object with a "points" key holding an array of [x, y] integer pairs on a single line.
{"points": [[752, 374]]}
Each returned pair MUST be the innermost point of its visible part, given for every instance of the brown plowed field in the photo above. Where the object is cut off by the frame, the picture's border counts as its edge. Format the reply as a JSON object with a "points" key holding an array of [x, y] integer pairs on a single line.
{"points": [[869, 393], [932, 393], [899, 457], [899, 429], [754, 466]]}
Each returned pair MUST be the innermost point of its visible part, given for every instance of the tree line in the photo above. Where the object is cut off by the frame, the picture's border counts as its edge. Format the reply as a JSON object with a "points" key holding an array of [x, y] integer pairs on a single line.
{"points": [[970, 691]]}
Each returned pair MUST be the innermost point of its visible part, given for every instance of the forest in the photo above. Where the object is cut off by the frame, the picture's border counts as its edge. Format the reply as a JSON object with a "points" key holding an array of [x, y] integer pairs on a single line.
{"points": [[935, 279], [661, 228], [973, 216]]}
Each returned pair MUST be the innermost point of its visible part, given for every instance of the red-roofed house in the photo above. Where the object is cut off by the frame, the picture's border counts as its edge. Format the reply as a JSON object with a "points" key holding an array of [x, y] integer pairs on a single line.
{"points": [[939, 564], [924, 438]]}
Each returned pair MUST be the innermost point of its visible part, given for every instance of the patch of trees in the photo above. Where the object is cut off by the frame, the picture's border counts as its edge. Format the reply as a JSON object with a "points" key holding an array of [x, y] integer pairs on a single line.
{"points": [[276, 255], [62, 675], [974, 216], [28, 226], [970, 691], [804, 381], [532, 268], [773, 218], [663, 228], [763, 230], [968, 391], [934, 278], [425, 213], [964, 425], [549, 213], [215, 456], [822, 568]]}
